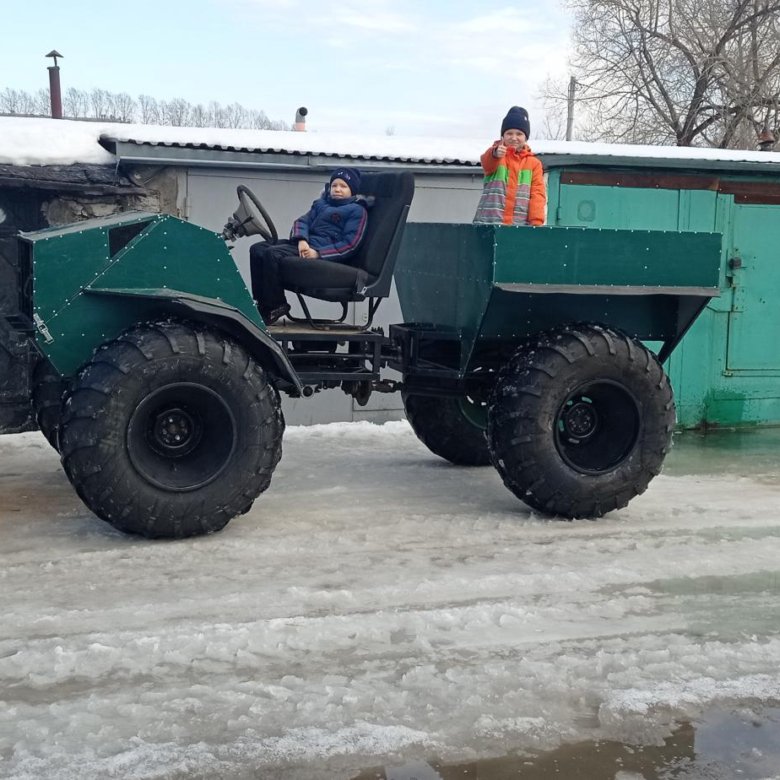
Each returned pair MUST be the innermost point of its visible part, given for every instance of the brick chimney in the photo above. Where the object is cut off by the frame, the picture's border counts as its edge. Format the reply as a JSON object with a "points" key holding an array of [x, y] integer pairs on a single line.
{"points": [[300, 119]]}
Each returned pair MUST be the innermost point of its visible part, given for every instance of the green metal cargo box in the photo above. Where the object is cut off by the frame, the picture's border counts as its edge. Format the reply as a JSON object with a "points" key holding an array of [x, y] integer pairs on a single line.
{"points": [[488, 283]]}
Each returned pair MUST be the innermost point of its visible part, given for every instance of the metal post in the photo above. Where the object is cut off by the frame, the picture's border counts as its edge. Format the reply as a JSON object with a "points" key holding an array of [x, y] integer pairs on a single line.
{"points": [[570, 109]]}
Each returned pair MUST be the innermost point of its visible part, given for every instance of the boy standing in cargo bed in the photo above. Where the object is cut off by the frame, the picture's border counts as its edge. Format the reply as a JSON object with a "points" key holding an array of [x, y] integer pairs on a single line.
{"points": [[513, 192]]}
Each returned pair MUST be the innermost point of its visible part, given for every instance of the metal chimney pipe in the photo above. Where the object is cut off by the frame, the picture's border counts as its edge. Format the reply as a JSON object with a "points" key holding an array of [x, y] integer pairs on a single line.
{"points": [[55, 92], [766, 140], [300, 119]]}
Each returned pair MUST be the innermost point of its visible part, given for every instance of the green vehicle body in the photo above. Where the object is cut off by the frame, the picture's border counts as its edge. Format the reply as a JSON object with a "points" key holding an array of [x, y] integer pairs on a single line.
{"points": [[94, 279], [479, 284], [167, 373]]}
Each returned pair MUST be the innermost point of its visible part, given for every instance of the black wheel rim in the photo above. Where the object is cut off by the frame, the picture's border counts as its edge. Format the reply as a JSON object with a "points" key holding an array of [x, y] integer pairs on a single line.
{"points": [[474, 411], [474, 405], [597, 427], [181, 436]]}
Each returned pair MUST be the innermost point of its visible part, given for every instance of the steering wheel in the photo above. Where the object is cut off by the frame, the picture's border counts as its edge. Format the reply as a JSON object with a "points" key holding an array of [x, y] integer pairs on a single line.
{"points": [[254, 215]]}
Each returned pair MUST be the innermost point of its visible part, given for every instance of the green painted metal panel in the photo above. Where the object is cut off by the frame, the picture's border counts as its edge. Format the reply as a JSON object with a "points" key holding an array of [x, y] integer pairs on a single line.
{"points": [[606, 258], [754, 323], [618, 207], [64, 257], [437, 278], [487, 282], [85, 296]]}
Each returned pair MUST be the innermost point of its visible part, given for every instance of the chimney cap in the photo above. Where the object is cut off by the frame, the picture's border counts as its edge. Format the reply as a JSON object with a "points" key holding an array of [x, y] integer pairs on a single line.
{"points": [[54, 54], [303, 110]]}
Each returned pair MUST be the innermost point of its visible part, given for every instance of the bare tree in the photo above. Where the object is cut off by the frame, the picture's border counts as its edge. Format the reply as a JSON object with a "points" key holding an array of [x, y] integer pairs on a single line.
{"points": [[554, 100], [177, 112], [11, 101], [687, 72], [199, 117], [235, 115], [41, 102], [75, 102], [259, 121], [99, 103], [121, 107], [148, 110], [216, 114]]}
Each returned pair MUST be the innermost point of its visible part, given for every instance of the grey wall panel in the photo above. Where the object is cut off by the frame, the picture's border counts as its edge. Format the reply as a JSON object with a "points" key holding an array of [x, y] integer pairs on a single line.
{"points": [[211, 199]]}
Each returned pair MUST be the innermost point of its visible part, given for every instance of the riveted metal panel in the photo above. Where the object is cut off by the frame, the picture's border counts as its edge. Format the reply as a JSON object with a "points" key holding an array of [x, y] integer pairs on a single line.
{"points": [[576, 257], [85, 295], [504, 284]]}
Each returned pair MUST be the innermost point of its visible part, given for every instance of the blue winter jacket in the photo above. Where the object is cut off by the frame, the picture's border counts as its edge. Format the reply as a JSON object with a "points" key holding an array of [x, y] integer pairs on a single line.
{"points": [[334, 227]]}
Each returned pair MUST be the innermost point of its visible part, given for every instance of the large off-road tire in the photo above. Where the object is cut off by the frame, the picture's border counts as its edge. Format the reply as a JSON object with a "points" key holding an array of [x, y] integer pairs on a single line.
{"points": [[452, 428], [170, 431], [580, 422], [49, 389]]}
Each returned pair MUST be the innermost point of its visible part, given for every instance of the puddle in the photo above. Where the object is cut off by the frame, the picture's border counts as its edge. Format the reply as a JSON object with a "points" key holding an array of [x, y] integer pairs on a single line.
{"points": [[740, 584], [721, 745], [749, 453]]}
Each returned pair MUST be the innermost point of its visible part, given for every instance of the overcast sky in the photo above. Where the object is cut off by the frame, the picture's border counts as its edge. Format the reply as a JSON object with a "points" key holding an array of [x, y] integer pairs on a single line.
{"points": [[432, 67]]}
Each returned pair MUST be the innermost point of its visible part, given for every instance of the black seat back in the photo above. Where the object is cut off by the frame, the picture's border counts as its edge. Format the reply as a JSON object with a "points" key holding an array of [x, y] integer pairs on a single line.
{"points": [[393, 193]]}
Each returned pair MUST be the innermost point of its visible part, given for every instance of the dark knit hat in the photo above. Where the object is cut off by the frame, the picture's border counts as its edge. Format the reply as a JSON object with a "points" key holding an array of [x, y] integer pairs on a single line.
{"points": [[517, 119], [350, 175]]}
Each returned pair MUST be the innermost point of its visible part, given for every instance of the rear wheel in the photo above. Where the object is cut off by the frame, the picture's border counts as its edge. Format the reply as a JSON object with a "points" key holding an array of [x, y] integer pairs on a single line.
{"points": [[452, 428], [170, 431], [581, 422]]}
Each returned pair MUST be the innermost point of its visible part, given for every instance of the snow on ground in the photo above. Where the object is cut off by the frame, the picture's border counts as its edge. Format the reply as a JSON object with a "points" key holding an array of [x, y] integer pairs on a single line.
{"points": [[377, 605]]}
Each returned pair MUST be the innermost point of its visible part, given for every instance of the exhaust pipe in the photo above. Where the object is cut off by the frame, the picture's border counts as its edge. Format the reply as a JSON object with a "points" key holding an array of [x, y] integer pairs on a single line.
{"points": [[766, 140], [300, 119], [55, 92]]}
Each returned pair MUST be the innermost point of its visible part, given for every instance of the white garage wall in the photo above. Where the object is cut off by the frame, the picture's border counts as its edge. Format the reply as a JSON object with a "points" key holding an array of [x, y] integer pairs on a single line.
{"points": [[211, 198]]}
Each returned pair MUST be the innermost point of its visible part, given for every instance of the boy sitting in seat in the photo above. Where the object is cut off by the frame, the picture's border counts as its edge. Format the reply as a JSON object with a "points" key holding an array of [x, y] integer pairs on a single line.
{"points": [[332, 229]]}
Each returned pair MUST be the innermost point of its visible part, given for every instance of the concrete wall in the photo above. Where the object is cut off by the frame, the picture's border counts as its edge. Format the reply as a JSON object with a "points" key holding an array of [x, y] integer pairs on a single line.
{"points": [[210, 198]]}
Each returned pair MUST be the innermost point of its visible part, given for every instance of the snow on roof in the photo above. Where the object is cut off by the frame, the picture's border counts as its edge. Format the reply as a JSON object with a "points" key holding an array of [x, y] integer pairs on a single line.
{"points": [[397, 148], [26, 141], [42, 141]]}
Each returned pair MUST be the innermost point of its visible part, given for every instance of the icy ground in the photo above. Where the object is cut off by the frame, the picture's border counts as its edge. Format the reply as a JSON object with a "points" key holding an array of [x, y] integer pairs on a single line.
{"points": [[378, 605]]}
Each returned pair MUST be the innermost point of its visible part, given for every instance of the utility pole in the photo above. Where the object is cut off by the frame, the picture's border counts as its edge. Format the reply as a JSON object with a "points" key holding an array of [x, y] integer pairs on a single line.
{"points": [[570, 108]]}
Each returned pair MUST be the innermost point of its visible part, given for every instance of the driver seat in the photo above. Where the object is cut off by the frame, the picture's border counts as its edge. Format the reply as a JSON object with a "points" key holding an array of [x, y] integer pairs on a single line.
{"points": [[368, 273]]}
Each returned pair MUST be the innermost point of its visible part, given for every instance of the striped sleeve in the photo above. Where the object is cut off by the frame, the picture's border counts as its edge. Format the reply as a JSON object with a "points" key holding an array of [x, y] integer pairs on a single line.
{"points": [[354, 231]]}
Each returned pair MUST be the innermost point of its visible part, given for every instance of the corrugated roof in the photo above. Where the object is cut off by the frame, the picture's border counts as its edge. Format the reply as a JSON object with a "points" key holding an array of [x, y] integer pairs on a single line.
{"points": [[215, 146], [48, 141], [267, 142]]}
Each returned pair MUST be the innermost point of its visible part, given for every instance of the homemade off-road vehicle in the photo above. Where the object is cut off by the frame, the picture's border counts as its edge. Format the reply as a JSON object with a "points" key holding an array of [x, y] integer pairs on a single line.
{"points": [[150, 370]]}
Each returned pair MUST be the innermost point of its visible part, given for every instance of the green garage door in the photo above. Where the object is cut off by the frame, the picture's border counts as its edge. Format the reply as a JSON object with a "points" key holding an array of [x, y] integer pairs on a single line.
{"points": [[754, 321]]}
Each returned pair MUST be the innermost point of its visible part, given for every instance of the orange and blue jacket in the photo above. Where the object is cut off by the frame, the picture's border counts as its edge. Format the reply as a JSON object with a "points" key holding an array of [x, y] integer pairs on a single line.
{"points": [[513, 192]]}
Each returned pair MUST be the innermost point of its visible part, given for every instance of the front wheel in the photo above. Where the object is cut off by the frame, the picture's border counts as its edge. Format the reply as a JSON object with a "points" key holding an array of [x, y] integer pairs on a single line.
{"points": [[580, 422], [170, 431]]}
